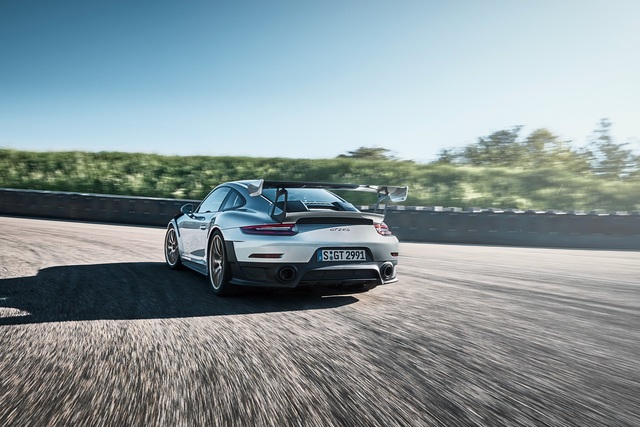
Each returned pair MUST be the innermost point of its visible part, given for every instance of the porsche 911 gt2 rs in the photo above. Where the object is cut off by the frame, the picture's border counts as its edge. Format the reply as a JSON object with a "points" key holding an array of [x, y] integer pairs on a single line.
{"points": [[285, 234]]}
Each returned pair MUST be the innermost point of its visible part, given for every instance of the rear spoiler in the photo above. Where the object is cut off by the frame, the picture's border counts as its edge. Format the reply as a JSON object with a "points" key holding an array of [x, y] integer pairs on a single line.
{"points": [[384, 192]]}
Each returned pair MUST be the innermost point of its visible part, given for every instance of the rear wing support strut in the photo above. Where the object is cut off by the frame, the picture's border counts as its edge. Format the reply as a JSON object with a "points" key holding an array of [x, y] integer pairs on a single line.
{"points": [[279, 206]]}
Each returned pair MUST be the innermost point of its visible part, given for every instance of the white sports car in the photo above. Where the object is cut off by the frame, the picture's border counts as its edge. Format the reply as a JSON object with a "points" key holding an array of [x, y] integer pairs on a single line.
{"points": [[285, 234]]}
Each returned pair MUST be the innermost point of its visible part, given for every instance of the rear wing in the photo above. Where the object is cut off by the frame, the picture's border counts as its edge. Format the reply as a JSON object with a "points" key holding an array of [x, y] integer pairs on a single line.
{"points": [[384, 193]]}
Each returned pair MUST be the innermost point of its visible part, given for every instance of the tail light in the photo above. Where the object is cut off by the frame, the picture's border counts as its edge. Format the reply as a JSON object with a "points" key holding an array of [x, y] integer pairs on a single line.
{"points": [[271, 229], [383, 229]]}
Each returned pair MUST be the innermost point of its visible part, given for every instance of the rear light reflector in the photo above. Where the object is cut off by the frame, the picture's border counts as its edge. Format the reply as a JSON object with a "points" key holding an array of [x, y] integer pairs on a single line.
{"points": [[269, 256], [383, 229], [271, 229], [394, 254]]}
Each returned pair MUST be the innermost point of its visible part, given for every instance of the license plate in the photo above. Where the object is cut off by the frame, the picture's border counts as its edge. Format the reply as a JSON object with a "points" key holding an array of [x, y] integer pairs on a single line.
{"points": [[341, 255]]}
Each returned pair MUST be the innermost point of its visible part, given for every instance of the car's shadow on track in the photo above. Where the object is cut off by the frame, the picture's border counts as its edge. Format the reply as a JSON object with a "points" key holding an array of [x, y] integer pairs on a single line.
{"points": [[139, 291]]}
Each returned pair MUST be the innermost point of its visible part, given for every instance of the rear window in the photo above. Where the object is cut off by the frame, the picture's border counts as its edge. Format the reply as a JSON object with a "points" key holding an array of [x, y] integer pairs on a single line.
{"points": [[311, 195], [313, 198]]}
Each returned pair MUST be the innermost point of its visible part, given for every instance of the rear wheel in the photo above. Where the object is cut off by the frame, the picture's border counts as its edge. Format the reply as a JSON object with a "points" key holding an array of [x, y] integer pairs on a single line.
{"points": [[218, 266], [171, 251]]}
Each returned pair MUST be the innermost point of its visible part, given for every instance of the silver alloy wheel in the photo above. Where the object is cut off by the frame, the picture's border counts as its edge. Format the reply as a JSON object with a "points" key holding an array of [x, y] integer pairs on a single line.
{"points": [[171, 248], [216, 262]]}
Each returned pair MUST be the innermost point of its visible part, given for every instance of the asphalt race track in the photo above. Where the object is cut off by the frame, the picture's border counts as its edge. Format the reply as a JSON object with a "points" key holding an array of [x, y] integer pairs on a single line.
{"points": [[96, 331]]}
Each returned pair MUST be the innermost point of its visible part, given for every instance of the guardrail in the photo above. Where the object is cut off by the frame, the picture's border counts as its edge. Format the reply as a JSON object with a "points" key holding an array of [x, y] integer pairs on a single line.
{"points": [[614, 230], [89, 207]]}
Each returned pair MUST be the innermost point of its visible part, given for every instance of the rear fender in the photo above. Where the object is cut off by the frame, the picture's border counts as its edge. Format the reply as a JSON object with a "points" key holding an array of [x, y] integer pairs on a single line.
{"points": [[231, 253]]}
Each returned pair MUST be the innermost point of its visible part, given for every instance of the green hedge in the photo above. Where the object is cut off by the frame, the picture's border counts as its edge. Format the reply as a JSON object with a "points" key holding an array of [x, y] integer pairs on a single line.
{"points": [[430, 184]]}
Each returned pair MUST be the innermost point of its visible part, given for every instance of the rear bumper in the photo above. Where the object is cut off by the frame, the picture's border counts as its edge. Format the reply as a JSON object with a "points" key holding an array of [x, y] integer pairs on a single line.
{"points": [[293, 275]]}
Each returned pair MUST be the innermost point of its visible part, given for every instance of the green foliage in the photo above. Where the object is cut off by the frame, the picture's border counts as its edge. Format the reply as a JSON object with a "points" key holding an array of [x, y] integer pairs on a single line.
{"points": [[607, 158], [501, 148], [369, 153], [603, 157], [537, 183]]}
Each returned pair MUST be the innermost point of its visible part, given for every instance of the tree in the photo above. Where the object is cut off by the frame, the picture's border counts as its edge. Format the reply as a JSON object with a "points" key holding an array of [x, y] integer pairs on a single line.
{"points": [[538, 145], [608, 159], [369, 153], [544, 149], [447, 156], [501, 148]]}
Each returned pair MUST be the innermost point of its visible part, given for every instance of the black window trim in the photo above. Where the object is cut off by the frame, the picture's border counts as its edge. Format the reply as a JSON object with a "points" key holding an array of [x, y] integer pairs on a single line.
{"points": [[226, 199]]}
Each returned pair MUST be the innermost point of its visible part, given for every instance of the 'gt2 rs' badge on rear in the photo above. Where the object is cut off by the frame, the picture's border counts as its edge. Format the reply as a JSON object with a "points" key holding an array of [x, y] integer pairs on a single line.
{"points": [[340, 229]]}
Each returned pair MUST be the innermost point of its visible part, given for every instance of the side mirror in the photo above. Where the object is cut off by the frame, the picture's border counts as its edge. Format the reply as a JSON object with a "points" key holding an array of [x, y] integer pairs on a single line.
{"points": [[187, 209]]}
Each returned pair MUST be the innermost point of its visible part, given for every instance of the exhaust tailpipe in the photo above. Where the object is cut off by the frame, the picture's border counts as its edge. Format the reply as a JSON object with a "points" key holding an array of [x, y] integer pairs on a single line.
{"points": [[387, 271], [287, 274]]}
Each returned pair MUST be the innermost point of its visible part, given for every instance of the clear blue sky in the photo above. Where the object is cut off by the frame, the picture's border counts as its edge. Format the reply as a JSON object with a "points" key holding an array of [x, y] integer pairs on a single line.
{"points": [[312, 79]]}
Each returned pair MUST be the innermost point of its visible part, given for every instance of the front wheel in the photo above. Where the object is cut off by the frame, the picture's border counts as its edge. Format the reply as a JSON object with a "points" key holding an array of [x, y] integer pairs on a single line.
{"points": [[171, 251], [218, 266]]}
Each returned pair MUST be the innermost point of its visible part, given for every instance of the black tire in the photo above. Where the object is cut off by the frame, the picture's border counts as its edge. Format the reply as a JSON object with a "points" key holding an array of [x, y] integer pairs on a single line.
{"points": [[218, 266], [171, 250]]}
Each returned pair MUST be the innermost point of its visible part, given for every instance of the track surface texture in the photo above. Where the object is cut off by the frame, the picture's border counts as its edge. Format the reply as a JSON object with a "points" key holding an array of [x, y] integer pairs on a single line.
{"points": [[96, 331]]}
